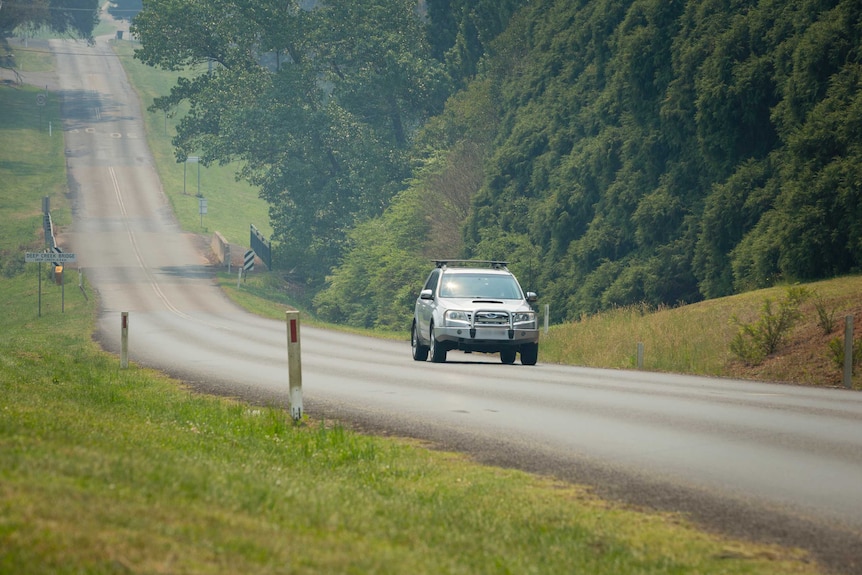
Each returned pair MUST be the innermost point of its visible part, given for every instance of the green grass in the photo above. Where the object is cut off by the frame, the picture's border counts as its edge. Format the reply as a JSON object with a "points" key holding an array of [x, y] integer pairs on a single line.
{"points": [[31, 167], [30, 60], [106, 470]]}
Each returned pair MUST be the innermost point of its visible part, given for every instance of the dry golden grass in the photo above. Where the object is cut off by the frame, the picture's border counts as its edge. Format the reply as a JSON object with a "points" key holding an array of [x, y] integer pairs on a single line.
{"points": [[696, 338]]}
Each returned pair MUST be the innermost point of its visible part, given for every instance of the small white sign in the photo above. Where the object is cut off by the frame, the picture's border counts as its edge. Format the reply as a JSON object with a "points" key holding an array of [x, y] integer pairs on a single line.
{"points": [[60, 258]]}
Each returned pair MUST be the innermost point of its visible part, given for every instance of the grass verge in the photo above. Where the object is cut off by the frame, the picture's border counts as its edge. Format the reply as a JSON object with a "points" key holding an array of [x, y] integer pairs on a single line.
{"points": [[32, 166], [696, 338], [104, 470]]}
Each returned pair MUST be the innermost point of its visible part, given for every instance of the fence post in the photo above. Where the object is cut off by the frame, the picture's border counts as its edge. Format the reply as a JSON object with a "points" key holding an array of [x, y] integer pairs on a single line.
{"points": [[848, 352], [640, 355]]}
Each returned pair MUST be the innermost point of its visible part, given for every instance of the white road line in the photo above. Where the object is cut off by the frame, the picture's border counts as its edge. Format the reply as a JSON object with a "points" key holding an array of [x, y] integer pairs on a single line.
{"points": [[155, 285]]}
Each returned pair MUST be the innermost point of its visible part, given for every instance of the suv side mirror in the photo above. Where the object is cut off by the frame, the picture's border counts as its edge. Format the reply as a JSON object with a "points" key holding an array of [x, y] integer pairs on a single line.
{"points": [[532, 297], [426, 294]]}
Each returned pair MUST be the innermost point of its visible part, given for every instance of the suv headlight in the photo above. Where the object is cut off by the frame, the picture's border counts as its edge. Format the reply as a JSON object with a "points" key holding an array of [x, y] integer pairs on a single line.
{"points": [[524, 320], [456, 318]]}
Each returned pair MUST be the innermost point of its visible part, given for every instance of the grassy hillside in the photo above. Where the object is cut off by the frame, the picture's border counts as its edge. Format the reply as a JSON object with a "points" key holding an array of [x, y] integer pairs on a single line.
{"points": [[105, 470], [697, 338], [32, 167]]}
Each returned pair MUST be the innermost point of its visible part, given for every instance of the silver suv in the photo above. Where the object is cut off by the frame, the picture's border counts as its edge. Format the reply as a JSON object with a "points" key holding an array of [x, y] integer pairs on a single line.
{"points": [[474, 306]]}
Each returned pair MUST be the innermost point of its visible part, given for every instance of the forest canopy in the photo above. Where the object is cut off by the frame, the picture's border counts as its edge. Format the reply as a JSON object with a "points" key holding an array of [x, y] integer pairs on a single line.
{"points": [[615, 151]]}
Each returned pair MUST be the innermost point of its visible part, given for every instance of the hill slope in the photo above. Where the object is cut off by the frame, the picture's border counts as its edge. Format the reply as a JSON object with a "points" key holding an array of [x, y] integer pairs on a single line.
{"points": [[620, 152]]}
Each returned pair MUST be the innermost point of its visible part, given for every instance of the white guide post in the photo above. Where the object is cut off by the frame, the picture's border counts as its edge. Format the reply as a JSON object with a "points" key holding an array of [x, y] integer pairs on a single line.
{"points": [[848, 352], [124, 340], [294, 364], [547, 315]]}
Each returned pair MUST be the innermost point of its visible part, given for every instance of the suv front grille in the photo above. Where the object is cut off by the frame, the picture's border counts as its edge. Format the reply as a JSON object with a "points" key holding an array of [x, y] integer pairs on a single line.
{"points": [[491, 318]]}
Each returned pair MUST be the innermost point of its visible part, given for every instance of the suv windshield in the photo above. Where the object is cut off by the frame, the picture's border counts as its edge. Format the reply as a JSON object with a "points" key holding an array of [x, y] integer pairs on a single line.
{"points": [[480, 286]]}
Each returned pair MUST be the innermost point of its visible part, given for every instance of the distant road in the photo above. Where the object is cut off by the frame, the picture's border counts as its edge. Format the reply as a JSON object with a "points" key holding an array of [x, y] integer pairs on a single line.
{"points": [[772, 462]]}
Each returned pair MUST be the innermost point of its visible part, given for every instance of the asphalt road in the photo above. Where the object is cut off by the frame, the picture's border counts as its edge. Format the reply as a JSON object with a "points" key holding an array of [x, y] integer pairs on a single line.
{"points": [[770, 462]]}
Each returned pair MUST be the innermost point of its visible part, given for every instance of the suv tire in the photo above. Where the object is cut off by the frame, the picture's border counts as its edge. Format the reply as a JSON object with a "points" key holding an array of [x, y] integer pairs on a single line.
{"points": [[420, 352], [507, 356], [529, 353], [438, 352]]}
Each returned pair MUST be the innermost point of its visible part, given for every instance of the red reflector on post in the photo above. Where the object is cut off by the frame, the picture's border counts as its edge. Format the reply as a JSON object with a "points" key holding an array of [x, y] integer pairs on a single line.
{"points": [[293, 331]]}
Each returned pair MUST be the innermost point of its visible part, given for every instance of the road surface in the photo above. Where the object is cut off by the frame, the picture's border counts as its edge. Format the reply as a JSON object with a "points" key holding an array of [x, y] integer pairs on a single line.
{"points": [[771, 462]]}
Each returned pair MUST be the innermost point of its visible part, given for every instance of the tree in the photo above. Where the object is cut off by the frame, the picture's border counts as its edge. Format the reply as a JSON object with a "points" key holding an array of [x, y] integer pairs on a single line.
{"points": [[77, 17], [318, 105]]}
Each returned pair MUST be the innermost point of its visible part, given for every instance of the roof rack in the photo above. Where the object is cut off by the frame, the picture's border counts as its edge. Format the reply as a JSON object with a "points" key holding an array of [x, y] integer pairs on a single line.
{"points": [[498, 265]]}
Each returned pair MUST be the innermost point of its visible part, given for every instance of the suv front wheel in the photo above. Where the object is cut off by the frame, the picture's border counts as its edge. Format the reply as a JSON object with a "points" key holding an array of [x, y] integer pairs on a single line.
{"points": [[438, 352], [529, 353], [420, 352]]}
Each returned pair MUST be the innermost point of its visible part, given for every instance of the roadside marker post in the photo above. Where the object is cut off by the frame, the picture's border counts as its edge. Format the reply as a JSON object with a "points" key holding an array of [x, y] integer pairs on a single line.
{"points": [[547, 316], [248, 260], [294, 364], [247, 265], [124, 340], [848, 352]]}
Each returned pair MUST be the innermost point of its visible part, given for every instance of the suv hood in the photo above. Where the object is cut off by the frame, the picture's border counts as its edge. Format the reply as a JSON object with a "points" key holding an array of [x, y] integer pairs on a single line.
{"points": [[466, 304]]}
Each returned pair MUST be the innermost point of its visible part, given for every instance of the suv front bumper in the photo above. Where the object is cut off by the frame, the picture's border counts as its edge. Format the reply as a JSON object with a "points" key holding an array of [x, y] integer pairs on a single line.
{"points": [[485, 339]]}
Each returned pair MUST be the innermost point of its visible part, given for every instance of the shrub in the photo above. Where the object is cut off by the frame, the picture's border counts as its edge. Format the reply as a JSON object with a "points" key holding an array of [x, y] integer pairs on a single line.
{"points": [[755, 341], [836, 349], [825, 316]]}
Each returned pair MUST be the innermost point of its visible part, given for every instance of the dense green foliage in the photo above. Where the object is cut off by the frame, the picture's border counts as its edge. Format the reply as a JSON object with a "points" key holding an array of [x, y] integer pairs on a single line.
{"points": [[615, 151], [64, 16], [665, 152], [668, 151]]}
